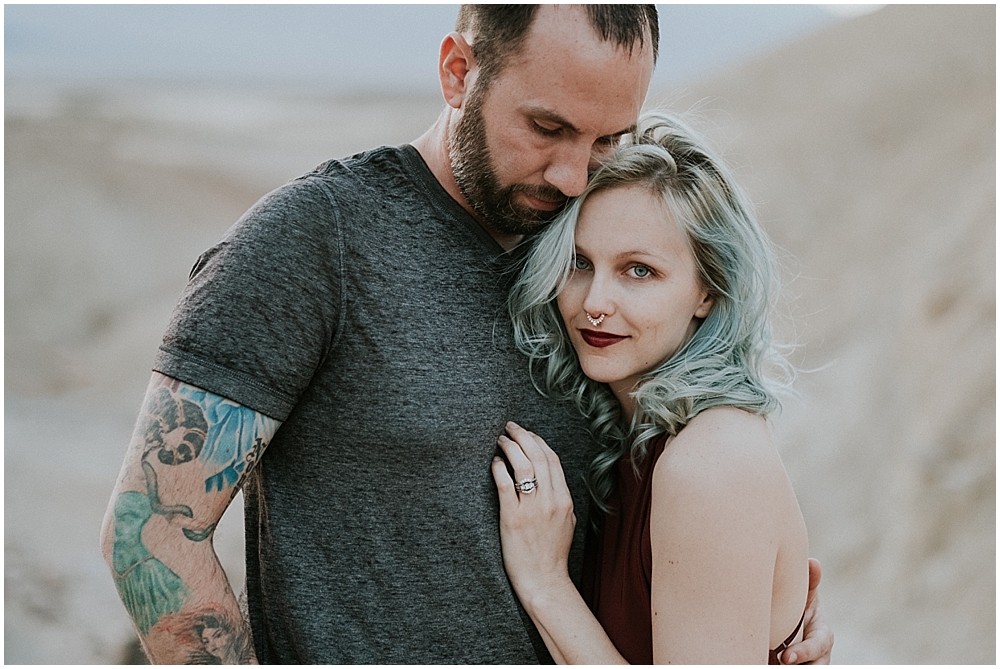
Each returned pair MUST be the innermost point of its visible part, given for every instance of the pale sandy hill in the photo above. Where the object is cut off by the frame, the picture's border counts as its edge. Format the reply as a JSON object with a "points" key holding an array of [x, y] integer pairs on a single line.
{"points": [[871, 149]]}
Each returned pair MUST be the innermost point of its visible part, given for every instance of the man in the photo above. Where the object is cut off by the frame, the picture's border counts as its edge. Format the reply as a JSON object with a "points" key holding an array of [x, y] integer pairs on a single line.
{"points": [[353, 324]]}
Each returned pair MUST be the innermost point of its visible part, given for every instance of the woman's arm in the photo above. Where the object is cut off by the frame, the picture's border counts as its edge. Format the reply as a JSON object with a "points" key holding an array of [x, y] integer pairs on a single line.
{"points": [[536, 530], [726, 536]]}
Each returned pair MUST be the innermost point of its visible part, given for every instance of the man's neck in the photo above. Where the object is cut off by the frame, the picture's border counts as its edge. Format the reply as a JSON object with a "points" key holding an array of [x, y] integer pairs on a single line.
{"points": [[433, 148]]}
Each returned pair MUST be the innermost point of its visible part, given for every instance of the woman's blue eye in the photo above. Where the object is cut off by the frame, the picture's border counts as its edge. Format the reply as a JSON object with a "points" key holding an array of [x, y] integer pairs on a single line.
{"points": [[640, 271], [581, 264]]}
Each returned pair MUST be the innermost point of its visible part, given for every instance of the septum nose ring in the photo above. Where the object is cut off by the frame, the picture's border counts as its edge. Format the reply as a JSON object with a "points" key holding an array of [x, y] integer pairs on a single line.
{"points": [[595, 321]]}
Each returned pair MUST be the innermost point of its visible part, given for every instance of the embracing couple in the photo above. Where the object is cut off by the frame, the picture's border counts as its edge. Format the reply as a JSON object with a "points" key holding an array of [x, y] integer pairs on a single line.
{"points": [[370, 351]]}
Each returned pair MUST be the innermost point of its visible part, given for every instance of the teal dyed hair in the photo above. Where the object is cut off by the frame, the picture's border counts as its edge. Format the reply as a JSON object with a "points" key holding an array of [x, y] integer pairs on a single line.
{"points": [[730, 361]]}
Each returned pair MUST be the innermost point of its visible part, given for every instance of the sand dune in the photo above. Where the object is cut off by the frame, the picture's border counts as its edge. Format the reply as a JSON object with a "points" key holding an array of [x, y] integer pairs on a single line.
{"points": [[871, 150]]}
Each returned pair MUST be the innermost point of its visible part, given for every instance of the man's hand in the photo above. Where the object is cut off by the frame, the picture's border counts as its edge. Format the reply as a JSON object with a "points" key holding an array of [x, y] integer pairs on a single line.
{"points": [[817, 645]]}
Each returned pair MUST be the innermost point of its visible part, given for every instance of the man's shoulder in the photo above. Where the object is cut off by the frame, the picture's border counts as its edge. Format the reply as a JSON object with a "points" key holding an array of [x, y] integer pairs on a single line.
{"points": [[376, 178], [371, 167], [356, 180]]}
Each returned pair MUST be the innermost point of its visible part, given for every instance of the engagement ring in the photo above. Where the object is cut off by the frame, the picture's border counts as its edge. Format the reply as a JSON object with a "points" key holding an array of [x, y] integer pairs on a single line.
{"points": [[526, 485]]}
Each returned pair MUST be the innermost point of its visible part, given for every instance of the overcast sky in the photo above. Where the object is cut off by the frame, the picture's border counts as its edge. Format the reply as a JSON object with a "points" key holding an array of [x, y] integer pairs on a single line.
{"points": [[343, 47]]}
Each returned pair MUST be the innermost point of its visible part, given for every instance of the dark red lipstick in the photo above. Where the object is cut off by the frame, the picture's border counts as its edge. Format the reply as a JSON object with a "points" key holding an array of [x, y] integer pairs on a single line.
{"points": [[600, 339]]}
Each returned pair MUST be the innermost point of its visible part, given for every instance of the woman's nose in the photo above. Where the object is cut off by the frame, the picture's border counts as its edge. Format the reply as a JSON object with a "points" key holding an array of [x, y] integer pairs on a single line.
{"points": [[599, 298]]}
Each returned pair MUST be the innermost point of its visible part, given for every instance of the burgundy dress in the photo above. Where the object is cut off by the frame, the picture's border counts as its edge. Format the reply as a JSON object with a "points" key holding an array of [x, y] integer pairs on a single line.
{"points": [[618, 564]]}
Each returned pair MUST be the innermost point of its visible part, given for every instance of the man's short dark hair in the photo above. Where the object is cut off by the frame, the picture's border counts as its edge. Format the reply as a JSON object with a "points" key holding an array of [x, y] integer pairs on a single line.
{"points": [[499, 31]]}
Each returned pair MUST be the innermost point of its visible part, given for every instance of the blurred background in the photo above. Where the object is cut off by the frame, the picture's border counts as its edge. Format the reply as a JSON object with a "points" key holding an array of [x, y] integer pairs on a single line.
{"points": [[136, 135]]}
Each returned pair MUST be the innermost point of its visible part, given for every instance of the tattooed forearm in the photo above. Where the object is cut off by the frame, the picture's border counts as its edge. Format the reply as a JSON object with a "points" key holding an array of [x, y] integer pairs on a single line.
{"points": [[192, 451], [210, 636], [152, 491], [199, 536], [148, 588]]}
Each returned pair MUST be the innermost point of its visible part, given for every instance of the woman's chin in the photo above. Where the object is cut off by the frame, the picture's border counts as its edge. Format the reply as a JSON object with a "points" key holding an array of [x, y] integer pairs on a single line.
{"points": [[601, 374]]}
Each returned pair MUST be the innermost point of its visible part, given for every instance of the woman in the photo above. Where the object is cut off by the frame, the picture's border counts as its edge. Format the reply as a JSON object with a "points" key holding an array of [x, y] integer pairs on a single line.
{"points": [[646, 304], [220, 644]]}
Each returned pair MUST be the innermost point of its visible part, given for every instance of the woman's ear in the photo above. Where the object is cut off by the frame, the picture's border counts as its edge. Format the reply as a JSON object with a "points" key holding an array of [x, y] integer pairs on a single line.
{"points": [[456, 69], [705, 308]]}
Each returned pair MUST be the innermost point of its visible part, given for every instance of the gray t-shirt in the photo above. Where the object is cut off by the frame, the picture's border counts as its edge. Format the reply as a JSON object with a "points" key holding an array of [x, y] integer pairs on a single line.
{"points": [[362, 306]]}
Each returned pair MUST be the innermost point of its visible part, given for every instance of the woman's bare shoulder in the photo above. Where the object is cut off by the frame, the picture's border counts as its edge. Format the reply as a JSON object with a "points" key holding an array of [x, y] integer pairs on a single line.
{"points": [[719, 448]]}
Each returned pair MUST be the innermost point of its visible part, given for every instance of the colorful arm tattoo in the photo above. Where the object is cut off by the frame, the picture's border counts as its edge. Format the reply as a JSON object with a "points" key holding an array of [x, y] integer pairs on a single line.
{"points": [[218, 440]]}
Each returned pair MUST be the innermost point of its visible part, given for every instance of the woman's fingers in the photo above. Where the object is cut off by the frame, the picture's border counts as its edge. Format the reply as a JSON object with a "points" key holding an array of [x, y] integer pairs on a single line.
{"points": [[556, 474], [519, 462], [529, 442], [531, 445], [505, 486], [541, 455]]}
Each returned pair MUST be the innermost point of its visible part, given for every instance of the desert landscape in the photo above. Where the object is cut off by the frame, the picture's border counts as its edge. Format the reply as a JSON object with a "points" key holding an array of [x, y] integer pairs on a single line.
{"points": [[870, 150]]}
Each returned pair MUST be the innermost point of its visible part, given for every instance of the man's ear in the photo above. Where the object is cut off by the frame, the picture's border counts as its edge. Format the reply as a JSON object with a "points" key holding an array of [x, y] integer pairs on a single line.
{"points": [[456, 69]]}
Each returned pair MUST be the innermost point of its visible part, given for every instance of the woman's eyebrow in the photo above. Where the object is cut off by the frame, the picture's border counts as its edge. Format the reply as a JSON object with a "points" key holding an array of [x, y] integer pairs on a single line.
{"points": [[626, 254], [641, 253]]}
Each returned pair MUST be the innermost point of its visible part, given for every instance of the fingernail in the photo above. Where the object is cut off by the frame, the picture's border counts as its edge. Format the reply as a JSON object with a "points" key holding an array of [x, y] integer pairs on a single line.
{"points": [[792, 657], [496, 459]]}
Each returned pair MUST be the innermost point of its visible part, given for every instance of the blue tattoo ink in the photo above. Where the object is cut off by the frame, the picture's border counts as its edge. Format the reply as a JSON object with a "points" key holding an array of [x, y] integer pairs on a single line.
{"points": [[232, 439]]}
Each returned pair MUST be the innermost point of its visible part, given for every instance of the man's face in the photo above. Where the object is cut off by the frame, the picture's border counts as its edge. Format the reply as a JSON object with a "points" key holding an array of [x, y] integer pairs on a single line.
{"points": [[472, 163], [527, 142]]}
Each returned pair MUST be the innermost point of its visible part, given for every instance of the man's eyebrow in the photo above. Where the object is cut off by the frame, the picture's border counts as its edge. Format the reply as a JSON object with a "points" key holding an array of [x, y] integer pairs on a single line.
{"points": [[552, 117]]}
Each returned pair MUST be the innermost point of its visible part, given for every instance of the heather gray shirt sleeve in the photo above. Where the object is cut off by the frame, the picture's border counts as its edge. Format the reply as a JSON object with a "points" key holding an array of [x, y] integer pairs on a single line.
{"points": [[262, 307]]}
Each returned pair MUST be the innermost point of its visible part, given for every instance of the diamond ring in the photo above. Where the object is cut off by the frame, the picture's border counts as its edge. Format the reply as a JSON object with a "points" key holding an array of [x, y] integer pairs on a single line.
{"points": [[524, 486]]}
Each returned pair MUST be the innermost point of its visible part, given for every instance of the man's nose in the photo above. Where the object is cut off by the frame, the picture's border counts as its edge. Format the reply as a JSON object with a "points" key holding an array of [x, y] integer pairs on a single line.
{"points": [[569, 170]]}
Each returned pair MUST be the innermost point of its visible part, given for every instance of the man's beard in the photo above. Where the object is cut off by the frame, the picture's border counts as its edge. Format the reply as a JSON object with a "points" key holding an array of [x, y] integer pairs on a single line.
{"points": [[472, 166]]}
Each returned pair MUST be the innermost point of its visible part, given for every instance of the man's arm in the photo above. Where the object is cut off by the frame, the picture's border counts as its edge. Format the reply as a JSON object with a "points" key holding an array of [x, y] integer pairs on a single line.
{"points": [[189, 455]]}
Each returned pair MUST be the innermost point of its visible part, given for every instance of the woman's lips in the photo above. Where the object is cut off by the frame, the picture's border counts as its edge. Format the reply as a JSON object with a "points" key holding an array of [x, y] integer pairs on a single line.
{"points": [[600, 339]]}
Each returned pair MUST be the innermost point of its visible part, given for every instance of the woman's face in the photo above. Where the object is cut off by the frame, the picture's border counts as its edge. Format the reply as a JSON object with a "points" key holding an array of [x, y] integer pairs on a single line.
{"points": [[635, 268], [215, 639]]}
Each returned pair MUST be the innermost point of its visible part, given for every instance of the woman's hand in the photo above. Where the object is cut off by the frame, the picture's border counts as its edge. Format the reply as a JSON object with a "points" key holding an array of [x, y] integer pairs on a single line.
{"points": [[536, 526], [536, 530]]}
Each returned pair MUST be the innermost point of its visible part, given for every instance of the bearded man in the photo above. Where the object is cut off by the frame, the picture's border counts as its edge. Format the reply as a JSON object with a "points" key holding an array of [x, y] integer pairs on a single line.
{"points": [[353, 323]]}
